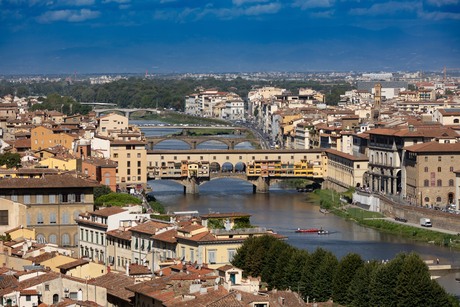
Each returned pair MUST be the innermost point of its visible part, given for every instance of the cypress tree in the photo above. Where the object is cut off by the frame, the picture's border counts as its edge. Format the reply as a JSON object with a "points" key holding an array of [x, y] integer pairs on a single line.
{"points": [[343, 276]]}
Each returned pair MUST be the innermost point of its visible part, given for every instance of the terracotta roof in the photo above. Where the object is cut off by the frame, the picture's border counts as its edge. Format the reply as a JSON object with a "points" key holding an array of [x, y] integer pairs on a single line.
{"points": [[190, 228], [149, 227], [116, 285], [121, 234], [225, 268], [100, 162], [73, 264], [22, 143], [108, 211], [418, 132], [137, 269], [357, 157], [43, 257], [50, 181], [168, 236], [434, 147]]}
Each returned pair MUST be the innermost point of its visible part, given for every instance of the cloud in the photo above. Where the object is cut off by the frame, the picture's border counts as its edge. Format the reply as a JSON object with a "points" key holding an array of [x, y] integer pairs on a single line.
{"points": [[68, 15], [439, 3], [311, 4], [439, 15], [260, 9], [116, 1], [243, 2], [387, 8], [323, 14], [76, 2]]}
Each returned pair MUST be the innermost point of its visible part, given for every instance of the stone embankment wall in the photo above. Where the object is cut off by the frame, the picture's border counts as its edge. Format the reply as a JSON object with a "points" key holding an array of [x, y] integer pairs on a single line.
{"points": [[413, 214]]}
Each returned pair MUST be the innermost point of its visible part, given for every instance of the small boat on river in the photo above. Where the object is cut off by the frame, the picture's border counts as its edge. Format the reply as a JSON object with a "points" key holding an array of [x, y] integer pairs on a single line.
{"points": [[323, 232], [309, 230]]}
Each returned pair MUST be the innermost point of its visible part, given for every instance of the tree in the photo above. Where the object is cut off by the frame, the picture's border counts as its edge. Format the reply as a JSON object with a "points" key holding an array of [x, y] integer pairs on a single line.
{"points": [[323, 278], [117, 199], [101, 190], [9, 159], [383, 282], [413, 287], [358, 293], [343, 276]]}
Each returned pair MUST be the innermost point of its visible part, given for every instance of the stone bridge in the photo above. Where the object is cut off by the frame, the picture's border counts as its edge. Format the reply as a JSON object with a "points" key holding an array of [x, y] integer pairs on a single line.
{"points": [[260, 167], [126, 112], [194, 141]]}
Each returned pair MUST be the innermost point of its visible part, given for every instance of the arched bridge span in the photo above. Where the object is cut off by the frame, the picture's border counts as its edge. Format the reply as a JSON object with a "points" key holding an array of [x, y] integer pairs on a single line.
{"points": [[260, 167]]}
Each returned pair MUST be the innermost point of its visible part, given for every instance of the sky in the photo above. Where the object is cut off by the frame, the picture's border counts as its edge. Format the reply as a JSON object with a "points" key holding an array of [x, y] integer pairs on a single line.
{"points": [[205, 36]]}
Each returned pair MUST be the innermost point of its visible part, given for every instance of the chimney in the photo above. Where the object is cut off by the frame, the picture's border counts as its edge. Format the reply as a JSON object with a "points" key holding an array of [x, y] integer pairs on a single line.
{"points": [[238, 297]]}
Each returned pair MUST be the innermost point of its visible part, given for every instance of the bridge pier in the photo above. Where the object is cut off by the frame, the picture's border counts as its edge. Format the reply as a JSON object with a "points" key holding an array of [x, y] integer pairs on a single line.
{"points": [[261, 185], [191, 186]]}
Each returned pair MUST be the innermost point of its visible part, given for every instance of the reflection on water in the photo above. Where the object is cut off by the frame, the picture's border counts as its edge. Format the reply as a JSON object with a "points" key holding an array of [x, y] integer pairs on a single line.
{"points": [[286, 210]]}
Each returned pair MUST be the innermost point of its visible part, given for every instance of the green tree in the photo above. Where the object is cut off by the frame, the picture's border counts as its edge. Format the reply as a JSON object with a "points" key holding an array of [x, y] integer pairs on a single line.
{"points": [[359, 292], [101, 190], [343, 276], [117, 199], [323, 278], [157, 207], [9, 159], [383, 282], [413, 287]]}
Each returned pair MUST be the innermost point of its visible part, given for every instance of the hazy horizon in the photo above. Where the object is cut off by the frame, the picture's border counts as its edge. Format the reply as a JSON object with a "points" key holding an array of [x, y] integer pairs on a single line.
{"points": [[177, 36]]}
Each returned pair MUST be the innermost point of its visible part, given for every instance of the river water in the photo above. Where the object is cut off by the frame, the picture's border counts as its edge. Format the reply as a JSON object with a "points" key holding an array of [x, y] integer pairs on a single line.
{"points": [[284, 211]]}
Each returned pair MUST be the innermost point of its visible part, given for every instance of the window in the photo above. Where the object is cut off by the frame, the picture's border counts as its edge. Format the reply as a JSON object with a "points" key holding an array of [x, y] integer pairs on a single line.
{"points": [[427, 199], [192, 255], [39, 199], [451, 169], [39, 218], [426, 169], [64, 198], [65, 240], [52, 218], [212, 256], [439, 158], [28, 298], [439, 169], [53, 238], [451, 182], [438, 199], [231, 254], [52, 199], [439, 183], [3, 217], [426, 183]]}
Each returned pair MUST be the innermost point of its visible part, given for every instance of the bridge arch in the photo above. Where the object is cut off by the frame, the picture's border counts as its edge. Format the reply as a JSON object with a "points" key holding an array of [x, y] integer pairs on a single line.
{"points": [[167, 143], [214, 167], [214, 142], [240, 167], [227, 167]]}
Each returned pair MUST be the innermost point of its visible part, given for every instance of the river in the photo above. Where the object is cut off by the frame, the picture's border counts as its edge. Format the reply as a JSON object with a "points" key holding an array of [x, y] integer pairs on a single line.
{"points": [[285, 210]]}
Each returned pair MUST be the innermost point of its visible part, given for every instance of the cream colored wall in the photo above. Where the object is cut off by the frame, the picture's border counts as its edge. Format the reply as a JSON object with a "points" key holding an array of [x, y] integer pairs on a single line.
{"points": [[112, 122], [54, 262], [23, 233], [90, 270], [16, 214], [120, 155], [54, 163], [14, 262]]}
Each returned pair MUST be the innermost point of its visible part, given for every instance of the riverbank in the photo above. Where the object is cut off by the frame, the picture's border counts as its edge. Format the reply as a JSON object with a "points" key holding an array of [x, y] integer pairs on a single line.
{"points": [[335, 204]]}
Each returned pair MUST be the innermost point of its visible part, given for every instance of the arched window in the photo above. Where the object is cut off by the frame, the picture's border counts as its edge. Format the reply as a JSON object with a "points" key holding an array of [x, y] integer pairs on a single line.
{"points": [[65, 218], [426, 183], [53, 238], [65, 240], [41, 238], [55, 298], [76, 214], [438, 199], [451, 182], [439, 183], [456, 121], [107, 179], [427, 199]]}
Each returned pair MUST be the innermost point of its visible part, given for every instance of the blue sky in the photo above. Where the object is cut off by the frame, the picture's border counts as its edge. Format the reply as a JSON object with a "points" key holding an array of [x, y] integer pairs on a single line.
{"points": [[164, 36]]}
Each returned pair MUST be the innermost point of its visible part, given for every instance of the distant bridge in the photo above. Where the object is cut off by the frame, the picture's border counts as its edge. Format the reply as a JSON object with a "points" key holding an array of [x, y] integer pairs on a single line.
{"points": [[127, 112], [259, 167], [194, 141], [98, 104]]}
